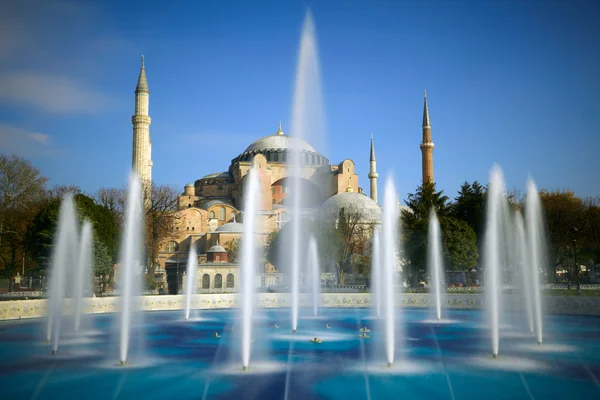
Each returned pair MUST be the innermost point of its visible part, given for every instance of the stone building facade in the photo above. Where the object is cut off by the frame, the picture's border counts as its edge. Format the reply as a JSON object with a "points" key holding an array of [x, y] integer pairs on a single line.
{"points": [[209, 210]]}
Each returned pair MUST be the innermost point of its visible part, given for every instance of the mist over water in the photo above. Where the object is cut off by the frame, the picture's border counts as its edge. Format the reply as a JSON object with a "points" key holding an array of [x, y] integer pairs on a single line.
{"points": [[522, 259], [315, 274], [131, 264], [64, 258], [83, 274], [249, 262], [191, 283], [536, 240], [376, 273], [434, 261], [390, 251], [308, 125]]}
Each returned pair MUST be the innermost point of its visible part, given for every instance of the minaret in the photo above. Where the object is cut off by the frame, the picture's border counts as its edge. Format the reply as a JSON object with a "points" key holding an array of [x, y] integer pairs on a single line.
{"points": [[427, 146], [141, 158], [373, 172]]}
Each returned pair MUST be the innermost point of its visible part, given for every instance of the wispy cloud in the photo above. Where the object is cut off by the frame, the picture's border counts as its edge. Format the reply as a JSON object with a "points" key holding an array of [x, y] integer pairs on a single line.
{"points": [[49, 93], [25, 143]]}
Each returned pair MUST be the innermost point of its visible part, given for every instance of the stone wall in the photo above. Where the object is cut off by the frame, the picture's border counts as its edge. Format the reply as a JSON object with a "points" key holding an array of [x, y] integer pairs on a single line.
{"points": [[572, 305]]}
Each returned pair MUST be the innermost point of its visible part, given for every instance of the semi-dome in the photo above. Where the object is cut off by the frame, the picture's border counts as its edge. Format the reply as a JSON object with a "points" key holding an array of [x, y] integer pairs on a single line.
{"points": [[352, 202], [231, 227]]}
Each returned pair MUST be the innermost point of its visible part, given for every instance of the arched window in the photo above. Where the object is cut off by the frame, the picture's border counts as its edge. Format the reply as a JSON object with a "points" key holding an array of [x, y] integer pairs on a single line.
{"points": [[172, 247], [218, 281], [211, 214], [230, 280], [189, 205], [205, 281], [274, 201], [222, 213]]}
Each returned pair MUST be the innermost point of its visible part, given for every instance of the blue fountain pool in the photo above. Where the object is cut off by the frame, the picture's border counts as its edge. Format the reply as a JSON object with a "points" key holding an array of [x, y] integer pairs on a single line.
{"points": [[184, 360]]}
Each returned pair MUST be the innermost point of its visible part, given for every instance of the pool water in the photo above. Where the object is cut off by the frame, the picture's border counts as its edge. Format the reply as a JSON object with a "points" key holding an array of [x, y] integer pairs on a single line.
{"points": [[173, 358]]}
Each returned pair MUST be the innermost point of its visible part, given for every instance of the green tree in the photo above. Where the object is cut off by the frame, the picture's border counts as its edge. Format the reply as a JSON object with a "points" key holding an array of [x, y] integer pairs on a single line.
{"points": [[469, 206], [459, 244], [21, 191], [102, 262], [233, 248]]}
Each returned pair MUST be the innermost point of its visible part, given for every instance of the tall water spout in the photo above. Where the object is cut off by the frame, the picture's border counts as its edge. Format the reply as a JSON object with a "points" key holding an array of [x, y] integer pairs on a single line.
{"points": [[390, 240], [522, 257], [251, 202], [83, 274], [434, 260], [376, 273], [130, 263], [307, 125], [537, 248], [495, 250], [315, 273], [191, 284], [64, 256]]}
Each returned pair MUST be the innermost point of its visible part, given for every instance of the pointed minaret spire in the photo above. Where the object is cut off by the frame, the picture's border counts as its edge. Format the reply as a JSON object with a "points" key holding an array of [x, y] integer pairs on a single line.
{"points": [[142, 84], [426, 145], [373, 172], [279, 131], [142, 144], [425, 111]]}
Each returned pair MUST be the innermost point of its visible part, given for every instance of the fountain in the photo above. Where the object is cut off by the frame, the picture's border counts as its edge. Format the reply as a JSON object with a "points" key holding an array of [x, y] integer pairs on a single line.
{"points": [[390, 240], [495, 250], [248, 266], [191, 284], [130, 263], [537, 248], [434, 260], [376, 273], [64, 257], [83, 274], [313, 258], [522, 258], [307, 122]]}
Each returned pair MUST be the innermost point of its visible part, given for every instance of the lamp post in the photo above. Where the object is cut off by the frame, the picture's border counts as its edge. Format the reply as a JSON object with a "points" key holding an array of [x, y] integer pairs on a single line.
{"points": [[574, 231]]}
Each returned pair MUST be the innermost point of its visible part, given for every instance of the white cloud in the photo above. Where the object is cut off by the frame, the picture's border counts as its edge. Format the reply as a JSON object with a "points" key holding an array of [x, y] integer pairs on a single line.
{"points": [[24, 143], [53, 94]]}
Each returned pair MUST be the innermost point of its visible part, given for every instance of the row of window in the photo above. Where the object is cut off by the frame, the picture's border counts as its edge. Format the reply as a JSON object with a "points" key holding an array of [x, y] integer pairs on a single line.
{"points": [[218, 281], [281, 156]]}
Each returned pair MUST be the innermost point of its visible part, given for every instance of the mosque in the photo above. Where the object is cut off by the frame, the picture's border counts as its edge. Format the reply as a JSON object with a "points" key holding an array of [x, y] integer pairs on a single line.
{"points": [[209, 210]]}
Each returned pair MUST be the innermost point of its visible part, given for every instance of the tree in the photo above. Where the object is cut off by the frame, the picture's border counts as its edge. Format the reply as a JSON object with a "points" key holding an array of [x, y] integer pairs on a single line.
{"points": [[563, 211], [415, 221], [233, 250], [21, 189], [469, 206], [102, 261], [114, 200], [161, 206], [459, 244]]}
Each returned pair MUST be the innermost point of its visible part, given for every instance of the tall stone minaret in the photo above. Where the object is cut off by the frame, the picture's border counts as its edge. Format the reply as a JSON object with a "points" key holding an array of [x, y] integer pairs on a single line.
{"points": [[427, 146], [373, 172], [141, 157]]}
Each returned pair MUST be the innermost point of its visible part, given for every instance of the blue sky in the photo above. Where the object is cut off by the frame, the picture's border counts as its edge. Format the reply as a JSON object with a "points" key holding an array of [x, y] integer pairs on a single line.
{"points": [[511, 82]]}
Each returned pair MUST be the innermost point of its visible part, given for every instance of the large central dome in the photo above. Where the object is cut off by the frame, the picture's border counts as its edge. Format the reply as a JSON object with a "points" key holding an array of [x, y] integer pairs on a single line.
{"points": [[276, 148], [279, 142]]}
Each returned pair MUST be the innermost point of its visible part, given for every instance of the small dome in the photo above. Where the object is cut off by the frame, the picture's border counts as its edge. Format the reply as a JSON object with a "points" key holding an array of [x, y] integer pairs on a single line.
{"points": [[189, 185], [231, 227], [217, 248], [353, 202]]}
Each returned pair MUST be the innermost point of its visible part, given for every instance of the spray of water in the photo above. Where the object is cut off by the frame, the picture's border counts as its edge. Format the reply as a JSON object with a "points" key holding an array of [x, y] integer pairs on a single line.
{"points": [[434, 260], [537, 248], [83, 274], [313, 257], [495, 250], [307, 123], [390, 241], [251, 202], [376, 273], [64, 256], [191, 284], [130, 264], [522, 257]]}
